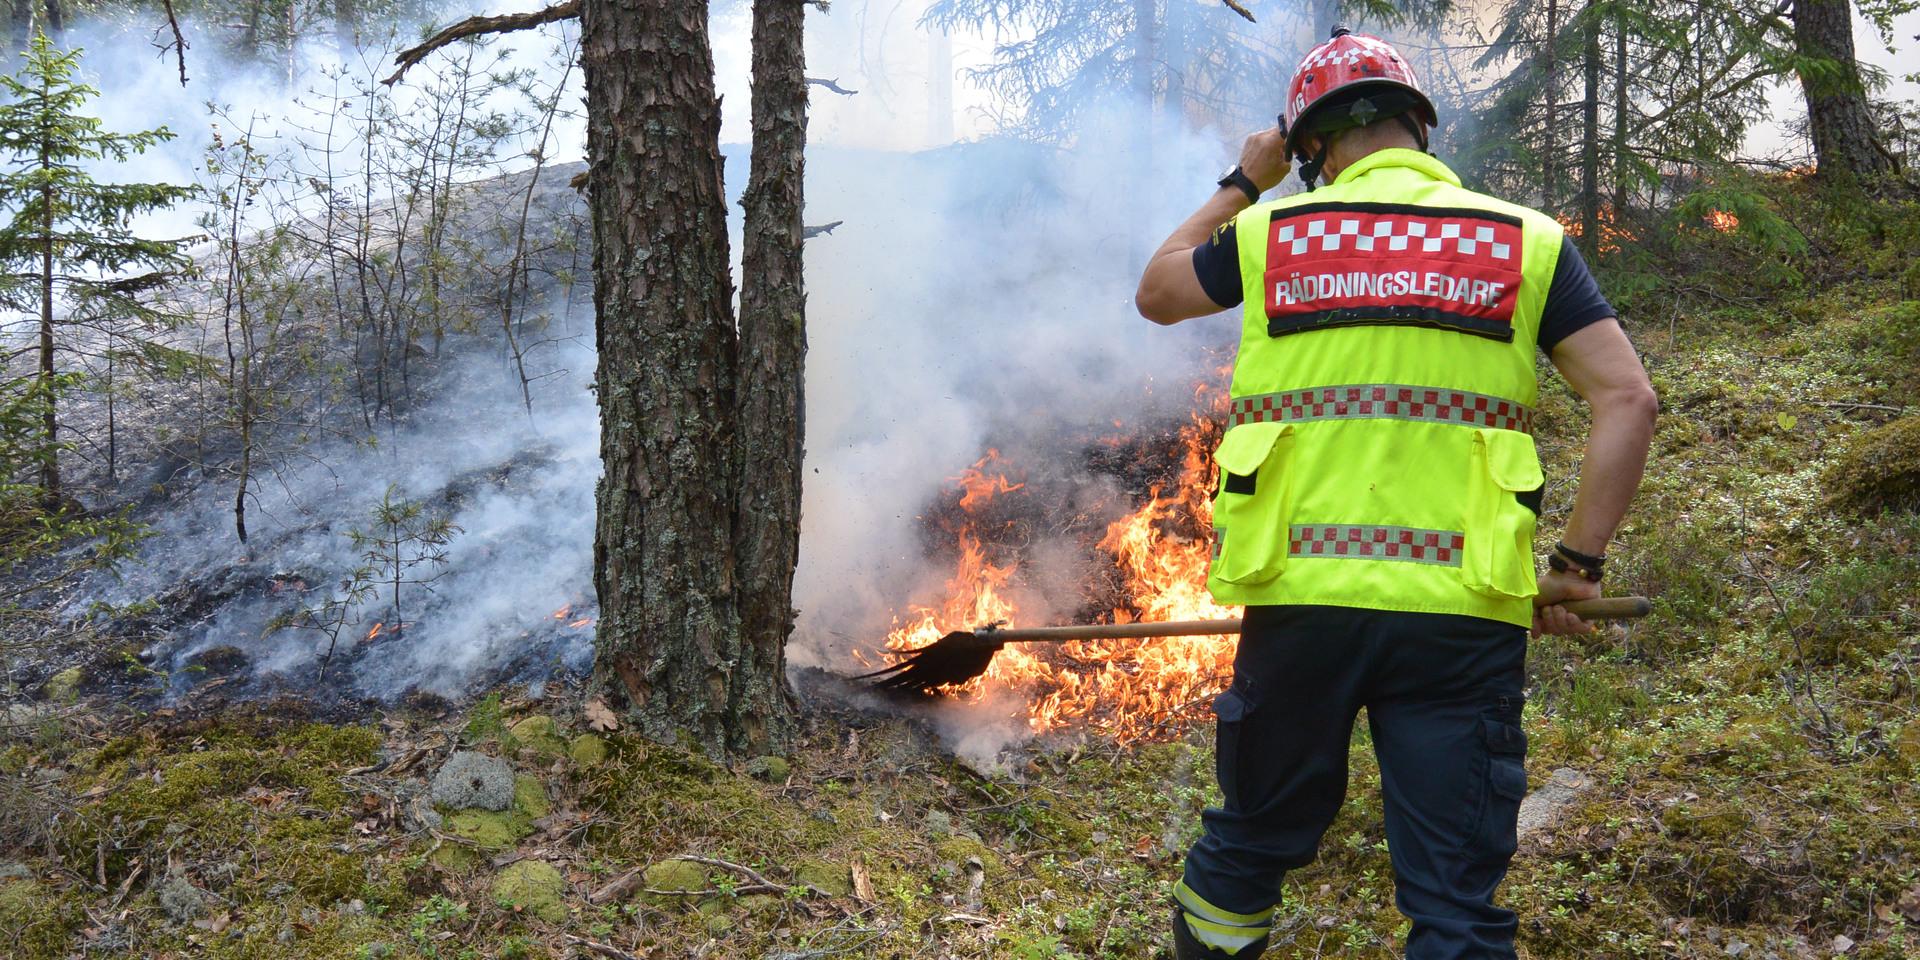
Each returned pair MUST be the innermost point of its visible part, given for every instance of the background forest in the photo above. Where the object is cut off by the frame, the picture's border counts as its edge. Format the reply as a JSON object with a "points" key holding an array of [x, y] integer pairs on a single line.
{"points": [[299, 443]]}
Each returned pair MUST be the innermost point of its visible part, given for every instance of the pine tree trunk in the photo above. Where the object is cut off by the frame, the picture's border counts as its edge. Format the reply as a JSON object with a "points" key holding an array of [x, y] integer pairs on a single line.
{"points": [[773, 350], [668, 650], [346, 23], [1620, 108], [1550, 165], [1590, 140], [1844, 139], [50, 420]]}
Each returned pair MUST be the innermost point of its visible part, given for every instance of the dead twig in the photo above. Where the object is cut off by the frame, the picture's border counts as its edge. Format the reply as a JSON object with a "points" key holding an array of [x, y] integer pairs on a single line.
{"points": [[598, 949], [1240, 9], [808, 233], [481, 26], [833, 85]]}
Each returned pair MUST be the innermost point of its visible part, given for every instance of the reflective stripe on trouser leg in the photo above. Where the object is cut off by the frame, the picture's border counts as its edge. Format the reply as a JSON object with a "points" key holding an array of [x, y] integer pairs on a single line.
{"points": [[1222, 930]]}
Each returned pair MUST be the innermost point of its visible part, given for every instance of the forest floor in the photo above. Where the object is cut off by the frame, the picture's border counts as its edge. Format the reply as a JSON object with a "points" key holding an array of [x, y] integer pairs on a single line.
{"points": [[1750, 756]]}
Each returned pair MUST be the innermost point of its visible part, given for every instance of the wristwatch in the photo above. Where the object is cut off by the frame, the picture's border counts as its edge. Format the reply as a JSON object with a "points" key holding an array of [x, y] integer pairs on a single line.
{"points": [[1237, 177]]}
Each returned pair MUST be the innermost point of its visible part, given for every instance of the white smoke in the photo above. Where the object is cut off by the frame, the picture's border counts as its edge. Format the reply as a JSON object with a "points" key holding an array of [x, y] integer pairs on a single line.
{"points": [[975, 293]]}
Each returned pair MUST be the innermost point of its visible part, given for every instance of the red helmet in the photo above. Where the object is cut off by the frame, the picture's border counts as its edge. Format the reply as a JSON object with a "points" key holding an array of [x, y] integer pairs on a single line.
{"points": [[1372, 76]]}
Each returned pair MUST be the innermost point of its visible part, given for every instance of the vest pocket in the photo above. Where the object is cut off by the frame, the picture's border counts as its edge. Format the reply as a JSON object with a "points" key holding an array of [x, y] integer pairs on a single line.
{"points": [[1497, 558], [1250, 512]]}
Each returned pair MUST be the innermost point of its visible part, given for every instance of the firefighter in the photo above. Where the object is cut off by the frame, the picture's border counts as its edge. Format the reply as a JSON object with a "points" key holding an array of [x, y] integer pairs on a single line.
{"points": [[1379, 487]]}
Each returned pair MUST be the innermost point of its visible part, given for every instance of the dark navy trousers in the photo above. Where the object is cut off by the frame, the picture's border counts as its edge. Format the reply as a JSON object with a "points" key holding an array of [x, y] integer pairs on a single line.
{"points": [[1443, 695]]}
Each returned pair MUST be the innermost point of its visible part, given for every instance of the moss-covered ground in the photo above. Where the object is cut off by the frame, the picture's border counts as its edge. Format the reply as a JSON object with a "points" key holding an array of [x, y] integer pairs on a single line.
{"points": [[1753, 747]]}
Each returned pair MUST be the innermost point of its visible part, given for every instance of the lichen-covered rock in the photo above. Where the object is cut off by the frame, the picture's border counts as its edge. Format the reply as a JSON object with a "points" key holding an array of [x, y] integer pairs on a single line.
{"points": [[540, 735], [532, 886], [939, 824], [63, 687], [180, 899], [1879, 470], [770, 769], [587, 751], [473, 781]]}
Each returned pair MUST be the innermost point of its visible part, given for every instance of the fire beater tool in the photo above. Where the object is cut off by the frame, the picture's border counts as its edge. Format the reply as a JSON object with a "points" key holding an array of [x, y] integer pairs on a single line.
{"points": [[964, 654]]}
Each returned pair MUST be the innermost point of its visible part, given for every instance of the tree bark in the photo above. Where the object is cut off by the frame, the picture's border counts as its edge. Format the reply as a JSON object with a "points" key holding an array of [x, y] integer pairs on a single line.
{"points": [[50, 419], [1621, 106], [669, 650], [1845, 142], [773, 349], [1550, 165], [1590, 142]]}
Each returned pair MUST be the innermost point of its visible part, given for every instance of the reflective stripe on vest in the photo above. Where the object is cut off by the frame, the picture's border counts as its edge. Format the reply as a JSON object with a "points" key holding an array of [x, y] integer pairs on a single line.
{"points": [[1386, 400], [1375, 543]]}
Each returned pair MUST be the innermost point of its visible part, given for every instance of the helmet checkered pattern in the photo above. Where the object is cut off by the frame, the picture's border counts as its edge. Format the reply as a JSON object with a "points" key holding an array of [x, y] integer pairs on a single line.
{"points": [[1347, 60]]}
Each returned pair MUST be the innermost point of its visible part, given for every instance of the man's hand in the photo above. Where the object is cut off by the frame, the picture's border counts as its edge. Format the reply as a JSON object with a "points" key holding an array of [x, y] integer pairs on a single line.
{"points": [[1555, 588], [1263, 158]]}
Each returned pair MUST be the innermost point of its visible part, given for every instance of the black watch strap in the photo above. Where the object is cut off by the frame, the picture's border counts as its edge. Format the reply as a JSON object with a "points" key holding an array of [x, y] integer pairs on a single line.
{"points": [[1238, 178]]}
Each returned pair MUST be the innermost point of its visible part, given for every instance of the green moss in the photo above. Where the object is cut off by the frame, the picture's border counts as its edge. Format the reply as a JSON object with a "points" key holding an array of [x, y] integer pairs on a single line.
{"points": [[832, 879], [1879, 470], [63, 687], [587, 751], [541, 736], [530, 797], [674, 876], [486, 721], [489, 830], [532, 886]]}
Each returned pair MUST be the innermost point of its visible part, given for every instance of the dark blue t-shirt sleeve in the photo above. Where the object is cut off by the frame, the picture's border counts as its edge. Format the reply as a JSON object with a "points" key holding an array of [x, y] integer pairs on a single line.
{"points": [[1574, 300], [1217, 264]]}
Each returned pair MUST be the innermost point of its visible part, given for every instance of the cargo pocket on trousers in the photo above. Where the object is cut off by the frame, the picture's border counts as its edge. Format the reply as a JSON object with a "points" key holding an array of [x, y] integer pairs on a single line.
{"points": [[1250, 513], [1230, 713], [1495, 837], [1497, 556]]}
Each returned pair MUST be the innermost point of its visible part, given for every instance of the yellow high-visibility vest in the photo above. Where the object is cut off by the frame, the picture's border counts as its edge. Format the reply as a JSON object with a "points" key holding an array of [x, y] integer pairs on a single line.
{"points": [[1379, 451]]}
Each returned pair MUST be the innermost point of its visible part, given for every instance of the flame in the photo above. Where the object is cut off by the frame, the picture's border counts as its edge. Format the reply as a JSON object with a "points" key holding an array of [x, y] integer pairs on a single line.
{"points": [[1722, 221], [1612, 234], [563, 612], [379, 628], [1128, 688], [582, 622]]}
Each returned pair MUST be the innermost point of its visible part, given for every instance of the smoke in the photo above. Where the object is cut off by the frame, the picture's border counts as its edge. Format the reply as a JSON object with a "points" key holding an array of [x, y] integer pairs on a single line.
{"points": [[974, 294]]}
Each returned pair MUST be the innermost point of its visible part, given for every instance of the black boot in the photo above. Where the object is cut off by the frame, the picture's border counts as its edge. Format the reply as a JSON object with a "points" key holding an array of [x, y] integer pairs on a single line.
{"points": [[1185, 947]]}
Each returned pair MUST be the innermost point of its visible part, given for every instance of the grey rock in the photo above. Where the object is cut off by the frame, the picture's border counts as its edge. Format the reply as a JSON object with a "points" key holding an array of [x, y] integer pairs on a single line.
{"points": [[471, 780], [1544, 807], [10, 870], [181, 900]]}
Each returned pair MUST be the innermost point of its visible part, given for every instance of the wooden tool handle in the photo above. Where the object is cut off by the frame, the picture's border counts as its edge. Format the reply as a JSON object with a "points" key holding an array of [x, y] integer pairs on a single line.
{"points": [[1605, 608]]}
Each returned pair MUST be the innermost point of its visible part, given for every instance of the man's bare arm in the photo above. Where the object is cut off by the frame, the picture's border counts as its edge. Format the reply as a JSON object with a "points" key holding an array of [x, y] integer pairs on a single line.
{"points": [[1600, 364], [1602, 367], [1169, 291]]}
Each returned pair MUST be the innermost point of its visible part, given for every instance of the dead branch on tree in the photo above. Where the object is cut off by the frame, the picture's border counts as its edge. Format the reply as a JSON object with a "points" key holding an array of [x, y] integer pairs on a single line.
{"points": [[808, 233], [1237, 7], [179, 44], [481, 26], [833, 85]]}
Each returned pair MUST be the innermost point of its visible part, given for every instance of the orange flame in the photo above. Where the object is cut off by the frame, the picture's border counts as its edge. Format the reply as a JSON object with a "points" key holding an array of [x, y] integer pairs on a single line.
{"points": [[582, 622], [1722, 221], [1128, 688], [1612, 234], [378, 629]]}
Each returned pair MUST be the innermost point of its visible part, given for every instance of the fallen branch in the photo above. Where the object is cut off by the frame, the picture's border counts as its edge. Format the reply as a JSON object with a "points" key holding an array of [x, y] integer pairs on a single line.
{"points": [[833, 85], [480, 26], [1240, 9], [808, 233]]}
